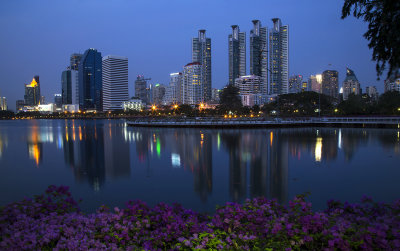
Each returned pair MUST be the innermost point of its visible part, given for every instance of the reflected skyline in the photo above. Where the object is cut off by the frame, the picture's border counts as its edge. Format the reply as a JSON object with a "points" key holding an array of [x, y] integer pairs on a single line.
{"points": [[201, 164]]}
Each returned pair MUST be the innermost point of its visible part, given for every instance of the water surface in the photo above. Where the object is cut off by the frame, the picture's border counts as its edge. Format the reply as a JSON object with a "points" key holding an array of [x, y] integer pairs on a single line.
{"points": [[106, 162]]}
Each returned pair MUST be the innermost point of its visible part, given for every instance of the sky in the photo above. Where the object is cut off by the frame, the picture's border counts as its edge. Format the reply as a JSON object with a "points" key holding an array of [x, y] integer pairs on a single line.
{"points": [[37, 38]]}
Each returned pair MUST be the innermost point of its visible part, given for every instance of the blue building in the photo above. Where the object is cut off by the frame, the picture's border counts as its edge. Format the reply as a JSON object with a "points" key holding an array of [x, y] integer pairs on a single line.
{"points": [[90, 81]]}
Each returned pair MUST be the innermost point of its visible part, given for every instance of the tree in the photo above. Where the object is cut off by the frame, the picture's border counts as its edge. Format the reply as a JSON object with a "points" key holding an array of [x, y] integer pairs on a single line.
{"points": [[383, 18], [389, 103], [230, 99]]}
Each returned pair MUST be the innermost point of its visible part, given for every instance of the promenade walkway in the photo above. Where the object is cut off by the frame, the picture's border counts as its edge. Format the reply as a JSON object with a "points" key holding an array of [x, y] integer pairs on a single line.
{"points": [[266, 122]]}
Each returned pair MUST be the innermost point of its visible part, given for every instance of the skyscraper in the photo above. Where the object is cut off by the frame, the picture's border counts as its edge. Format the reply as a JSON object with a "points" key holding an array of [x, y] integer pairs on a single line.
{"points": [[90, 81], [66, 87], [315, 82], [158, 93], [330, 83], [75, 59], [115, 82], [295, 84], [173, 91], [279, 58], [58, 100], [201, 53], [259, 54], [192, 85], [350, 84], [3, 104], [237, 54], [32, 92], [141, 89]]}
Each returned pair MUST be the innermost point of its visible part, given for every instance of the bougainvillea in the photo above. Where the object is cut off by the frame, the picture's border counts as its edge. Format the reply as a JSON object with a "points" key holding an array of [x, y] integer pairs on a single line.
{"points": [[54, 221]]}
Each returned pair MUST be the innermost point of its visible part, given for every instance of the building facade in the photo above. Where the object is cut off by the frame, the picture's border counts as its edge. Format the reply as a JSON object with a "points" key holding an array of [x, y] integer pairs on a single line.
{"points": [[393, 82], [133, 104], [237, 54], [67, 88], [259, 54], [372, 92], [115, 82], [315, 83], [201, 53], [32, 92], [90, 81], [279, 58], [330, 83], [141, 89], [58, 100], [173, 90], [350, 84], [295, 84], [250, 90], [3, 104], [158, 94], [192, 85]]}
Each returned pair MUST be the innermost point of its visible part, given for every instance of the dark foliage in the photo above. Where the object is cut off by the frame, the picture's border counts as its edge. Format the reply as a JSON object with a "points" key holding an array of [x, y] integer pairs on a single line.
{"points": [[383, 18]]}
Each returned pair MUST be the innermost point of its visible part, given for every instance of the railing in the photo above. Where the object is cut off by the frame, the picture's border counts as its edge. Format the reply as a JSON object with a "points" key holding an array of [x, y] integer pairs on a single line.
{"points": [[263, 121]]}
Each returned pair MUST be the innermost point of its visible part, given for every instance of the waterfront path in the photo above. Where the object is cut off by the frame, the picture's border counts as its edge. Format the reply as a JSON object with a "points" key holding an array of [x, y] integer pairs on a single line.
{"points": [[393, 122]]}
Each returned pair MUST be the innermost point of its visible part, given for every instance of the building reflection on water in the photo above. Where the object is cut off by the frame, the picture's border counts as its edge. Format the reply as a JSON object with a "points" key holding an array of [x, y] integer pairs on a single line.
{"points": [[3, 143], [96, 151], [258, 164], [258, 160]]}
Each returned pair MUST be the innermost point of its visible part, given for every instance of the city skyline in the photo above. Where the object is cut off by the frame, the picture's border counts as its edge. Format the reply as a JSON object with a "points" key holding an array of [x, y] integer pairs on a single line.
{"points": [[141, 47]]}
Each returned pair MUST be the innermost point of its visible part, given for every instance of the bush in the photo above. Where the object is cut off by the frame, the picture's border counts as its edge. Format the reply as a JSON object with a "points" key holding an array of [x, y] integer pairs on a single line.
{"points": [[53, 221]]}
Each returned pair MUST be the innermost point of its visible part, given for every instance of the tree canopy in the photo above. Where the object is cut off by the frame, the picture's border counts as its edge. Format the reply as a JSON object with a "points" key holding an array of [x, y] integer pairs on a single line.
{"points": [[383, 18], [230, 99]]}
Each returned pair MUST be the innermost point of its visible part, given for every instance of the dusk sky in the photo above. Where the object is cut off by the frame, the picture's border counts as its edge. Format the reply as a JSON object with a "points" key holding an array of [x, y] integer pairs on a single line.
{"points": [[38, 37]]}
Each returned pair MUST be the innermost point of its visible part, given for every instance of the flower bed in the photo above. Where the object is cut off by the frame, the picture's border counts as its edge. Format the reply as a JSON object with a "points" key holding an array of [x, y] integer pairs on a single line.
{"points": [[54, 221]]}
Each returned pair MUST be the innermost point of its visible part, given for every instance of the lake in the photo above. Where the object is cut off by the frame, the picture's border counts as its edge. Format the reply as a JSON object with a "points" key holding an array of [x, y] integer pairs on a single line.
{"points": [[107, 162]]}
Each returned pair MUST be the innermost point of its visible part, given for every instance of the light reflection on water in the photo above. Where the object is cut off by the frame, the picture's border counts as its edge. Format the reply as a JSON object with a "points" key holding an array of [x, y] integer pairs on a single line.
{"points": [[105, 161]]}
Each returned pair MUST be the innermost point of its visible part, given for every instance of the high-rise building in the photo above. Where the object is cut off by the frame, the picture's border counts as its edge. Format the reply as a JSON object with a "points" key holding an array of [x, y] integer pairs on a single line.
{"points": [[115, 82], [201, 53], [75, 59], [315, 83], [393, 82], [141, 89], [372, 92], [158, 93], [68, 87], [237, 54], [3, 104], [279, 58], [305, 87], [19, 104], [58, 100], [215, 93], [90, 81], [192, 86], [250, 90], [32, 92], [259, 54], [173, 90], [295, 83], [350, 84], [330, 83]]}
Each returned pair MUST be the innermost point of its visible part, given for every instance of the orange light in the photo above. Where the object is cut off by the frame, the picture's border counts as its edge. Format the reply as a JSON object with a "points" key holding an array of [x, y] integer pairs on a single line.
{"points": [[154, 107], [175, 106], [33, 83]]}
